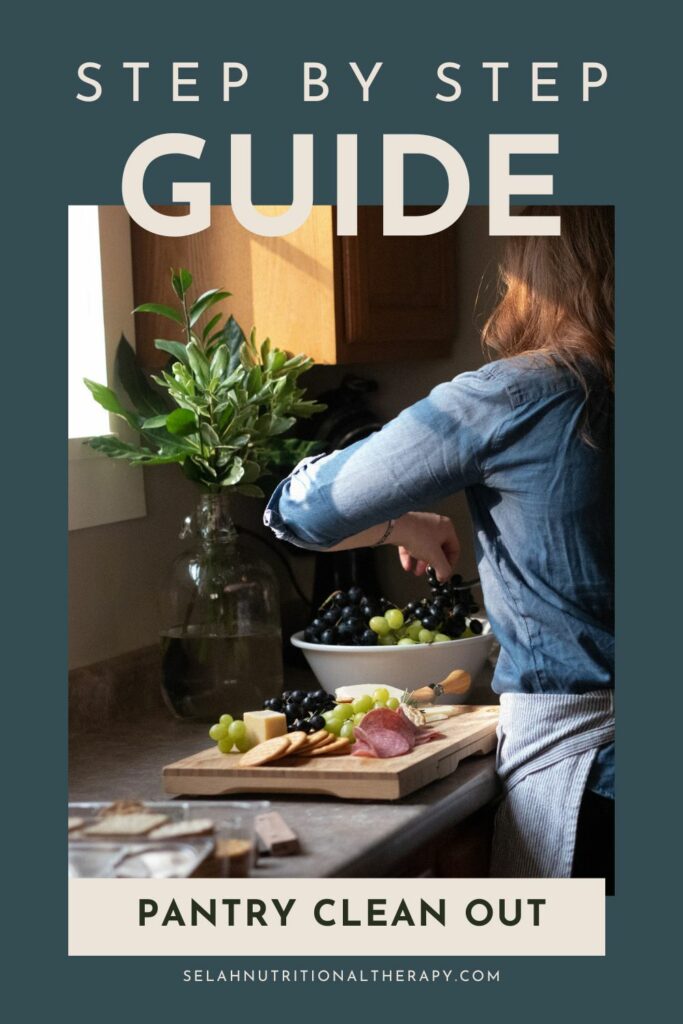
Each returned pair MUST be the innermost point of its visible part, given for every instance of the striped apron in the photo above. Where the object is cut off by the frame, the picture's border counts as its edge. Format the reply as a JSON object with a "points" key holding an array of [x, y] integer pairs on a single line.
{"points": [[547, 743]]}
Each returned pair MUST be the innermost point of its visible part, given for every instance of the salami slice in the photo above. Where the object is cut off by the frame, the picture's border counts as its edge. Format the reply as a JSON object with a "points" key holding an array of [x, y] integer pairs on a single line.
{"points": [[384, 718], [386, 742], [427, 736], [384, 733], [361, 750]]}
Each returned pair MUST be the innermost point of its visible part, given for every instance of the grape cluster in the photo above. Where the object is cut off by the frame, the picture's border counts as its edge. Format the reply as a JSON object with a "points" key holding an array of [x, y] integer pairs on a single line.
{"points": [[229, 733], [344, 618], [448, 610], [351, 618], [303, 711]]}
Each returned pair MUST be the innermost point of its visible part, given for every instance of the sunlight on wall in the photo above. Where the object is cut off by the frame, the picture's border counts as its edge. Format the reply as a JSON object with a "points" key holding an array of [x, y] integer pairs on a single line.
{"points": [[87, 354]]}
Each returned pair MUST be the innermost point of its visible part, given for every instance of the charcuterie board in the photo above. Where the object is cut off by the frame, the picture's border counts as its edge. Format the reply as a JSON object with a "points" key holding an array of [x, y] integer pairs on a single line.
{"points": [[210, 773]]}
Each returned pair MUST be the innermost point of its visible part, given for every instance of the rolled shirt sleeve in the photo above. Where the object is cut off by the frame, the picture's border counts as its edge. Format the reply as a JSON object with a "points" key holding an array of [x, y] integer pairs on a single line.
{"points": [[433, 448]]}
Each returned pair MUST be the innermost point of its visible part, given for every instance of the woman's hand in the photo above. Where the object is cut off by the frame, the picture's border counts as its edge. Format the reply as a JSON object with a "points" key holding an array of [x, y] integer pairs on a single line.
{"points": [[423, 539]]}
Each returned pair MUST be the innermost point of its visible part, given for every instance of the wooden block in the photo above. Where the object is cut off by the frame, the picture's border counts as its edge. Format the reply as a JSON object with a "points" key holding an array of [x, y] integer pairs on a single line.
{"points": [[229, 858], [276, 835]]}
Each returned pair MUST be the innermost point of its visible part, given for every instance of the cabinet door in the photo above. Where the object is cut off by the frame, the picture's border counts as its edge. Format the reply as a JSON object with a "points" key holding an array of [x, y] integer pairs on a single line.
{"points": [[284, 286], [395, 295]]}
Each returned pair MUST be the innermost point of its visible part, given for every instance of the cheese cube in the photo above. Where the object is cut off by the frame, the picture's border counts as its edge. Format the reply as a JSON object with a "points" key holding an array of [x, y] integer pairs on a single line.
{"points": [[263, 725]]}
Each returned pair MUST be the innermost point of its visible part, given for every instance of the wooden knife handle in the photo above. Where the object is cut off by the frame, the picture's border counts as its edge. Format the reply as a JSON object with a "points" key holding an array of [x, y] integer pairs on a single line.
{"points": [[458, 681]]}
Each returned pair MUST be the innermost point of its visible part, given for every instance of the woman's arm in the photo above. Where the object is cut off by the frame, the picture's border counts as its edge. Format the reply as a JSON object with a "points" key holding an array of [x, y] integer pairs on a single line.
{"points": [[433, 449], [422, 539]]}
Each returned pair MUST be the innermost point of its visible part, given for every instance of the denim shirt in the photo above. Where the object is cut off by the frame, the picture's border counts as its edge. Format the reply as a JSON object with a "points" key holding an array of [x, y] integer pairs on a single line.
{"points": [[512, 435]]}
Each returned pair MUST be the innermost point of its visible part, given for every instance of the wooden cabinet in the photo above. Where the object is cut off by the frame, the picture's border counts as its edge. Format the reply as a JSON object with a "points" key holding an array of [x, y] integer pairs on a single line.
{"points": [[341, 300]]}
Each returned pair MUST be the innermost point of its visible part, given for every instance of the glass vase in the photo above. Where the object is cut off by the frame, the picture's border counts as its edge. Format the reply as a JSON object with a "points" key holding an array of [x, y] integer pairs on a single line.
{"points": [[221, 642]]}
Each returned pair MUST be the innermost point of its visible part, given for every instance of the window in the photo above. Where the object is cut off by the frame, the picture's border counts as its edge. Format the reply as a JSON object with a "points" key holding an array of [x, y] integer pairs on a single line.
{"points": [[101, 490]]}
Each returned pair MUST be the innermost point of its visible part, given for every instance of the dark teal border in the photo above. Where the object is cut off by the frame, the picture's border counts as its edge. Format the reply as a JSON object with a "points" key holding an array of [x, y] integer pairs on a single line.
{"points": [[619, 149]]}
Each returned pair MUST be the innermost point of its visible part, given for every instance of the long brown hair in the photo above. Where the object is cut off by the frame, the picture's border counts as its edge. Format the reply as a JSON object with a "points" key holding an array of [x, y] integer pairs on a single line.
{"points": [[557, 292]]}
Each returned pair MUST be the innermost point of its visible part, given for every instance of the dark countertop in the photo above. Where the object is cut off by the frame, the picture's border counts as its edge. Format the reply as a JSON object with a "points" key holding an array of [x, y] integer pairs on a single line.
{"points": [[338, 838]]}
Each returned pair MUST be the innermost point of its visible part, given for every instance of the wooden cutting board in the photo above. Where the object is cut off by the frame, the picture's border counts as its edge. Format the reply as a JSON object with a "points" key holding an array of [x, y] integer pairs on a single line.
{"points": [[210, 773]]}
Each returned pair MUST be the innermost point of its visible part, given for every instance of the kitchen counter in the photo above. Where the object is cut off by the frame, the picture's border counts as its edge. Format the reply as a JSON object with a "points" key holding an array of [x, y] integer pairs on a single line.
{"points": [[338, 838]]}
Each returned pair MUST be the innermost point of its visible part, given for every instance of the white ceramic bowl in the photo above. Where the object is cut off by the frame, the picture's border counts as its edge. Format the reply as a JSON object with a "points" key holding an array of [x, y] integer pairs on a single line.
{"points": [[405, 667]]}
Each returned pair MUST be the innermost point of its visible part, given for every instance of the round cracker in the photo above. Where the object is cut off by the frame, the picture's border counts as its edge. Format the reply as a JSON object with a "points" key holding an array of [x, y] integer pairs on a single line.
{"points": [[262, 753], [298, 747], [339, 746], [314, 739], [297, 740], [324, 741], [330, 738]]}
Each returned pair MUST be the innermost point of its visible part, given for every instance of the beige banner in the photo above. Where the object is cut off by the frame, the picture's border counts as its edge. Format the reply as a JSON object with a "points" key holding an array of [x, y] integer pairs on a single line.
{"points": [[337, 917]]}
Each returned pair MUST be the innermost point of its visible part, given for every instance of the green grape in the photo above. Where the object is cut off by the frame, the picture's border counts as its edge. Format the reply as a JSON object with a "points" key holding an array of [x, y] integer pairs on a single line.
{"points": [[380, 704], [218, 732], [236, 730], [243, 744], [394, 617], [393, 703], [378, 624], [225, 745], [381, 694], [406, 642], [414, 630], [388, 641], [334, 725], [225, 720], [347, 731], [343, 711], [466, 634], [441, 638], [357, 719], [425, 636], [362, 703]]}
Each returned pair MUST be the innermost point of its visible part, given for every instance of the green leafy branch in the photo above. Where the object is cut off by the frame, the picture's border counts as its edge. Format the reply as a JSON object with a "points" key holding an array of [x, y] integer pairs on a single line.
{"points": [[220, 409]]}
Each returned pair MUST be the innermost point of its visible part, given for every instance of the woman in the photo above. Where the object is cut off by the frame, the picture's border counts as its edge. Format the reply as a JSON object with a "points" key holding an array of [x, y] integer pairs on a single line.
{"points": [[528, 437]]}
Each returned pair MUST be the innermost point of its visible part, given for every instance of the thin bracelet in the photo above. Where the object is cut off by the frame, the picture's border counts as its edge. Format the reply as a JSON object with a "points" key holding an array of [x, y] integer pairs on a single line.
{"points": [[390, 525]]}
